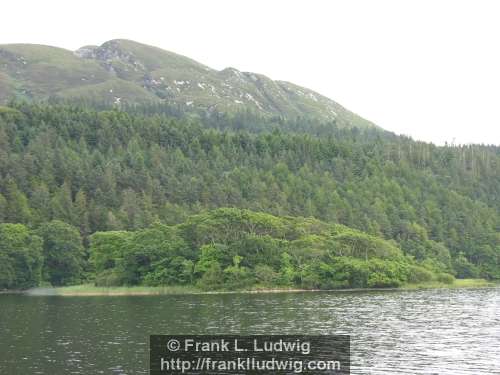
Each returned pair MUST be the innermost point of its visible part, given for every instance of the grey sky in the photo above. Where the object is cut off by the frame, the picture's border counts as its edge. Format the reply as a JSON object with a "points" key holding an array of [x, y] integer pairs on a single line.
{"points": [[429, 69]]}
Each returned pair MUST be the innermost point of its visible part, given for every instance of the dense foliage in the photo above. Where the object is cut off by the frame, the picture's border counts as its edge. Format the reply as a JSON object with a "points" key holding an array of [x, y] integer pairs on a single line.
{"points": [[20, 257], [227, 248], [123, 172]]}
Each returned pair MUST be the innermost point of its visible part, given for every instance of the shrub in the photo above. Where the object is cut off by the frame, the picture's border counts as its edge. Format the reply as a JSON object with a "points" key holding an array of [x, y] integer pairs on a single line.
{"points": [[464, 268], [445, 278], [350, 272], [236, 276], [385, 273], [108, 278], [380, 280], [212, 278], [265, 274], [417, 274]]}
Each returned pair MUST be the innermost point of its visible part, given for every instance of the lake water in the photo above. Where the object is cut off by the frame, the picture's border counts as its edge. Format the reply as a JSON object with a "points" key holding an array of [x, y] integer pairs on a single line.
{"points": [[393, 332]]}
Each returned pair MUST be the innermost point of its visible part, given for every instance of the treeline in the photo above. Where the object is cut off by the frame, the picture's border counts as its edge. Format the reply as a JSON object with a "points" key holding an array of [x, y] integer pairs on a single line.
{"points": [[53, 254], [221, 249], [111, 170]]}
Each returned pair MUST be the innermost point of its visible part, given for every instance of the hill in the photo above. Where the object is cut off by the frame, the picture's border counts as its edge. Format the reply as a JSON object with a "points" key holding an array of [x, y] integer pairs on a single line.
{"points": [[111, 170], [123, 71]]}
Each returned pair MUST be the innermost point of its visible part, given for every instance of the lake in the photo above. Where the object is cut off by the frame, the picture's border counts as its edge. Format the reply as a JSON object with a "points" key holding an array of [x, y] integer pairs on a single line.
{"points": [[455, 331]]}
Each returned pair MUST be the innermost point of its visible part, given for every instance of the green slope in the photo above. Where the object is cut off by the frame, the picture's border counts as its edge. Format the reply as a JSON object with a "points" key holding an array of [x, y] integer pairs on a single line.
{"points": [[122, 71], [40, 71]]}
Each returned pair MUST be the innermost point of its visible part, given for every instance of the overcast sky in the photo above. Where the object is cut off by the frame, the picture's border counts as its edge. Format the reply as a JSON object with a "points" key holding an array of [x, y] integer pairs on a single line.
{"points": [[428, 69]]}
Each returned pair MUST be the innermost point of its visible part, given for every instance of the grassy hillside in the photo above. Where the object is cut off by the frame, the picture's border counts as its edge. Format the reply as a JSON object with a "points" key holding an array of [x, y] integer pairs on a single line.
{"points": [[123, 71], [40, 71], [110, 91]]}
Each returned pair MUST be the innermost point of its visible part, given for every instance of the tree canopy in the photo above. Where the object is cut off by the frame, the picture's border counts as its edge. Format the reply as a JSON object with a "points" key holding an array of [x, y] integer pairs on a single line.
{"points": [[77, 176]]}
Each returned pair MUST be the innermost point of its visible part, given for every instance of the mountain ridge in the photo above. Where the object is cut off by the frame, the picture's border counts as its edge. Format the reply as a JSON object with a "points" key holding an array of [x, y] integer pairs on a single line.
{"points": [[122, 70]]}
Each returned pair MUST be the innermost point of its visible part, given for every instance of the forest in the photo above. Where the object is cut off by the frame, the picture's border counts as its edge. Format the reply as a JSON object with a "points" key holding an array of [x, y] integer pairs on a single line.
{"points": [[144, 195]]}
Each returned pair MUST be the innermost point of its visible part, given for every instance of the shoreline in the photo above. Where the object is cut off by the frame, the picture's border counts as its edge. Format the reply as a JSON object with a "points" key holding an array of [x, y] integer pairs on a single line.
{"points": [[89, 290]]}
